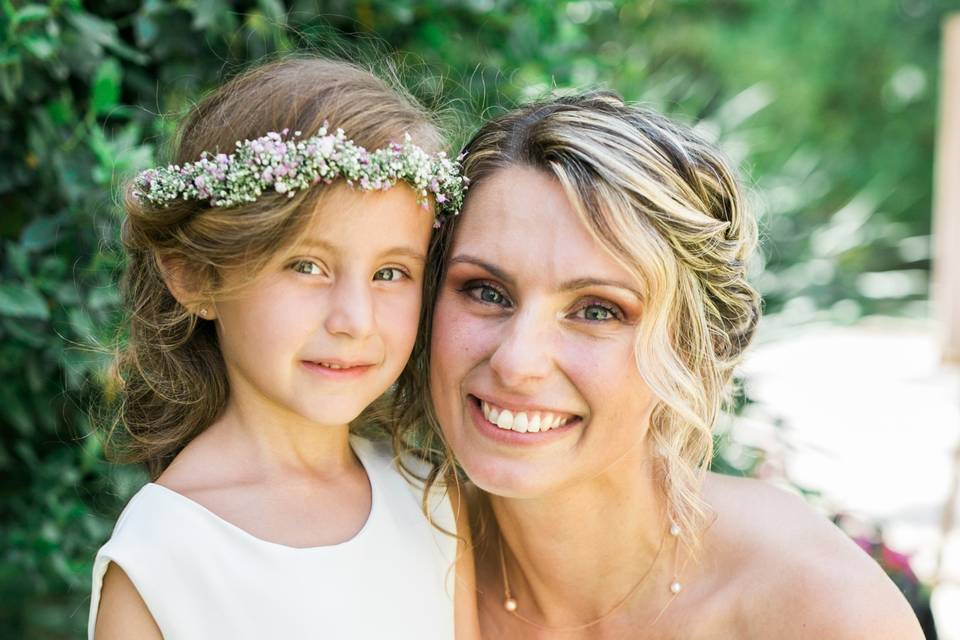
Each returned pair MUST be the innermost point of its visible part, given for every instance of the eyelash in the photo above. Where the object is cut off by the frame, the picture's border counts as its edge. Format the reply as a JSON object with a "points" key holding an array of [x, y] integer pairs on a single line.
{"points": [[473, 289], [403, 274], [613, 310], [294, 266]]}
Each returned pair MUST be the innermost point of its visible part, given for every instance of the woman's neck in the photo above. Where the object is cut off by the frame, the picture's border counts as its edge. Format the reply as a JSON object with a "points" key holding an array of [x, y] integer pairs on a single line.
{"points": [[574, 555]]}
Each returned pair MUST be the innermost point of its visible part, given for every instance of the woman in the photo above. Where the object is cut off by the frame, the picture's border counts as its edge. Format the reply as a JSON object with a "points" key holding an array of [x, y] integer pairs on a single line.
{"points": [[590, 309]]}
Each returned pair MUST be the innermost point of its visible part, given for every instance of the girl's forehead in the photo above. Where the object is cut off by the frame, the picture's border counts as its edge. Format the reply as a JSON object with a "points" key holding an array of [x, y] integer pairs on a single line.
{"points": [[347, 219]]}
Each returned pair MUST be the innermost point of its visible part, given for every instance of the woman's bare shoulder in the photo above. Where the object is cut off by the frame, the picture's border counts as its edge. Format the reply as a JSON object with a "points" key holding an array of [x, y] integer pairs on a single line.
{"points": [[797, 574]]}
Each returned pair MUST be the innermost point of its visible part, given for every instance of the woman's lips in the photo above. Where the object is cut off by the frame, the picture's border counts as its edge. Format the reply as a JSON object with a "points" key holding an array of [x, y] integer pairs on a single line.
{"points": [[336, 370], [519, 427]]}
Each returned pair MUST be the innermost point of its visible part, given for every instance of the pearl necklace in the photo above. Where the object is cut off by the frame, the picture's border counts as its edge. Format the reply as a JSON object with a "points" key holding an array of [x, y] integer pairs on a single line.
{"points": [[511, 606]]}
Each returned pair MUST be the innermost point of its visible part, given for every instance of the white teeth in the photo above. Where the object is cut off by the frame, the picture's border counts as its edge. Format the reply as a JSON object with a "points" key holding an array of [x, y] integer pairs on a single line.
{"points": [[522, 422], [534, 424]]}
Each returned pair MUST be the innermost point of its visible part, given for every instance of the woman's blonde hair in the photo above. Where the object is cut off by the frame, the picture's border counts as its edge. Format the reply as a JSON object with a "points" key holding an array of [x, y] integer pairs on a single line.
{"points": [[666, 205], [171, 377]]}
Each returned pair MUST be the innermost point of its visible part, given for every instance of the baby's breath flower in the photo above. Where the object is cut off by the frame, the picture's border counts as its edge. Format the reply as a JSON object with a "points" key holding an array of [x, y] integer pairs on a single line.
{"points": [[290, 165]]}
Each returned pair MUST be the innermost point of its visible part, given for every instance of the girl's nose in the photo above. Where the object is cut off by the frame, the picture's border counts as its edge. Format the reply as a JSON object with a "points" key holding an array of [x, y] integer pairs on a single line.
{"points": [[351, 309]]}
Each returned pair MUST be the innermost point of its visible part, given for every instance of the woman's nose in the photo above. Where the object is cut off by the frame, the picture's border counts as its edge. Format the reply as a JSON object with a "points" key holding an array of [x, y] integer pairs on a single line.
{"points": [[351, 308], [523, 355]]}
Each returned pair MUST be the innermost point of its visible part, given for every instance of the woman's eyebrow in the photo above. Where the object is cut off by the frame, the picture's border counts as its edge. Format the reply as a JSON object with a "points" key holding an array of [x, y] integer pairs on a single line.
{"points": [[494, 270], [582, 283], [569, 285]]}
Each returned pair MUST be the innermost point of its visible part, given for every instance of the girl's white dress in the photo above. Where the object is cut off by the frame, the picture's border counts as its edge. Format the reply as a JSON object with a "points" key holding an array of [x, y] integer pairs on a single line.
{"points": [[202, 577]]}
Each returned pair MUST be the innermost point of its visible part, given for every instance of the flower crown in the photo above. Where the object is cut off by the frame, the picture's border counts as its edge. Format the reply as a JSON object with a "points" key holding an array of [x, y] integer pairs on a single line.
{"points": [[289, 165]]}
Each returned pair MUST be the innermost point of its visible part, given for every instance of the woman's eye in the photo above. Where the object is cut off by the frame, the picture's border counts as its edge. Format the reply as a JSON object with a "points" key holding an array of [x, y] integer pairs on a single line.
{"points": [[487, 294], [308, 267], [598, 313], [389, 274]]}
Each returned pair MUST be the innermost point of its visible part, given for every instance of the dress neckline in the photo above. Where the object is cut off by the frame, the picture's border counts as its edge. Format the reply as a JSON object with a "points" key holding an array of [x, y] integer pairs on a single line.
{"points": [[361, 448]]}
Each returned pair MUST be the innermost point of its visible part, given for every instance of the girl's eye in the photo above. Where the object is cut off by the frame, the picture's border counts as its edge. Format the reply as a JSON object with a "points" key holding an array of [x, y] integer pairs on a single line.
{"points": [[595, 312], [308, 267], [389, 274], [487, 294]]}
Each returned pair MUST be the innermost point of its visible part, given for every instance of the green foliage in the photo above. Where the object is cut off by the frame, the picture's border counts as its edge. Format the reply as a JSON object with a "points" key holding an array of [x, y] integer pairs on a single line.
{"points": [[828, 106]]}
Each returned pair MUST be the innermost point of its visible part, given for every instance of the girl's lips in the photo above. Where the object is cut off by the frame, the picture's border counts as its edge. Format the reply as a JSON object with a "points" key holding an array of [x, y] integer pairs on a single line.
{"points": [[508, 436], [339, 373]]}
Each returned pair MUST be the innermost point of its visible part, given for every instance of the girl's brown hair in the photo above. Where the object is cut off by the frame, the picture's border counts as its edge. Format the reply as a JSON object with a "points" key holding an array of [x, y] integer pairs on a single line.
{"points": [[172, 379], [666, 205]]}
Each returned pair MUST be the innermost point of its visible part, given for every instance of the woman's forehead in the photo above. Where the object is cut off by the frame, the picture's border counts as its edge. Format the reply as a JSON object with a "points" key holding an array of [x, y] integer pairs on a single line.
{"points": [[521, 220]]}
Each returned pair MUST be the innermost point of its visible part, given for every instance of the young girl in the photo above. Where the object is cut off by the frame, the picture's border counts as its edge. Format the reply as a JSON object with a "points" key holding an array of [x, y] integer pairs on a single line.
{"points": [[273, 290]]}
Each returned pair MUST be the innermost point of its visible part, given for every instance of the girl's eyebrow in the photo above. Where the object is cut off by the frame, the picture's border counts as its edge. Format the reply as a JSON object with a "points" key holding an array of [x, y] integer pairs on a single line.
{"points": [[413, 254], [316, 243], [494, 270], [399, 250]]}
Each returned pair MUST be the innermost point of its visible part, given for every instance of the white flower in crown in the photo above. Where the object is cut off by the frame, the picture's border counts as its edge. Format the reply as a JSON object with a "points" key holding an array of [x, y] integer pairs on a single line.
{"points": [[289, 165]]}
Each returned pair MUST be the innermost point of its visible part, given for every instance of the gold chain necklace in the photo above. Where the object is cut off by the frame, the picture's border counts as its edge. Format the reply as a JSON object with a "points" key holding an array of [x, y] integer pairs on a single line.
{"points": [[511, 606]]}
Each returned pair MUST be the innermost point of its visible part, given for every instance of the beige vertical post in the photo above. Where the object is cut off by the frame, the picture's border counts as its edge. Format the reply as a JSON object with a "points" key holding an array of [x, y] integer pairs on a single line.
{"points": [[946, 197], [946, 236]]}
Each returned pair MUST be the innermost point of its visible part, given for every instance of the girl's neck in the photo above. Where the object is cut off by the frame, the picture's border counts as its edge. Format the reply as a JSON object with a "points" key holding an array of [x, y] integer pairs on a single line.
{"points": [[573, 555], [280, 443]]}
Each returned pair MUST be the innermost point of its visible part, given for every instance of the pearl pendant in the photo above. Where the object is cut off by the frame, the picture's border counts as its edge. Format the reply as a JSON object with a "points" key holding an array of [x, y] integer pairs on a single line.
{"points": [[674, 530], [510, 605], [675, 587]]}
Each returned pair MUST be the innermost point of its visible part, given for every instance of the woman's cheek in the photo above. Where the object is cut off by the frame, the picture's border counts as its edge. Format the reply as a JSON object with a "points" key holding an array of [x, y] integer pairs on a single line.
{"points": [[461, 336]]}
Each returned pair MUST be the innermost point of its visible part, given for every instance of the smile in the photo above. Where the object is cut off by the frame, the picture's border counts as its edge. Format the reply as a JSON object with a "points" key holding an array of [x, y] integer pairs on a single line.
{"points": [[337, 369], [331, 365], [524, 421]]}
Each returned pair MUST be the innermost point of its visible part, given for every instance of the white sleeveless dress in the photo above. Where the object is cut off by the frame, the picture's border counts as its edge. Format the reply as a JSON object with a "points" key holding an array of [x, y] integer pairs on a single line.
{"points": [[202, 577]]}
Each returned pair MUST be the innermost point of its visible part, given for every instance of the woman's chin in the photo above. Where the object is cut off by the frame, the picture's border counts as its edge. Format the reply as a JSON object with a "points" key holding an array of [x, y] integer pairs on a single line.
{"points": [[508, 479]]}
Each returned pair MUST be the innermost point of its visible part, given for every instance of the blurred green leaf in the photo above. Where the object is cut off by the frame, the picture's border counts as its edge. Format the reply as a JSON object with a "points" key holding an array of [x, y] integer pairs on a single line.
{"points": [[22, 301], [39, 46], [106, 86], [31, 13], [41, 233]]}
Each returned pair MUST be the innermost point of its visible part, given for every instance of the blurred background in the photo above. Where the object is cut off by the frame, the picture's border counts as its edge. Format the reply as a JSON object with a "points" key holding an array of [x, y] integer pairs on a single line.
{"points": [[830, 109]]}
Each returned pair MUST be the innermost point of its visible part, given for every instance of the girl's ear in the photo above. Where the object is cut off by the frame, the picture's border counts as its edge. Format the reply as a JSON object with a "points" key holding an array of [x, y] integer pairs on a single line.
{"points": [[182, 284]]}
